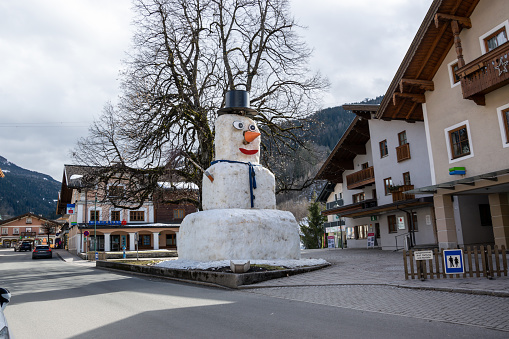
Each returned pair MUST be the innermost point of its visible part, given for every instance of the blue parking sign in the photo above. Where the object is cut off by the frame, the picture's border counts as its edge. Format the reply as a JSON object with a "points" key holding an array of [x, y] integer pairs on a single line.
{"points": [[453, 261]]}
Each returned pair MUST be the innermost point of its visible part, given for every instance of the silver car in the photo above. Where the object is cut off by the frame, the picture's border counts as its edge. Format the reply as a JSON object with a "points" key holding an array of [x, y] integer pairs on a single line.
{"points": [[5, 297]]}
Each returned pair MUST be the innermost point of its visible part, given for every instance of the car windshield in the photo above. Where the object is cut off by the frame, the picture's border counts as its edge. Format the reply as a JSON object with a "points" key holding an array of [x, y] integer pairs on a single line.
{"points": [[42, 247]]}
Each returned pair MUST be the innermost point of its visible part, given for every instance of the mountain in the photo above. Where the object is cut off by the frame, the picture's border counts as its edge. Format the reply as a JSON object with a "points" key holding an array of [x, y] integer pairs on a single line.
{"points": [[23, 191], [332, 122]]}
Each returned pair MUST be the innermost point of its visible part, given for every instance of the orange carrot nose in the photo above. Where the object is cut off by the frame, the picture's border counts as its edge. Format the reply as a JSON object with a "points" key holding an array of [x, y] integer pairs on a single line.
{"points": [[250, 136]]}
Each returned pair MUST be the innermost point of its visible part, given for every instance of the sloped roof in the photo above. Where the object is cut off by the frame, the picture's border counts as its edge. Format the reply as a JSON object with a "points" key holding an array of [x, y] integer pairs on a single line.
{"points": [[431, 44], [352, 143], [27, 215]]}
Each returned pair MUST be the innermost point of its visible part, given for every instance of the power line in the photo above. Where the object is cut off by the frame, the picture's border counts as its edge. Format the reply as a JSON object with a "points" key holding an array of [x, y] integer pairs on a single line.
{"points": [[45, 124]]}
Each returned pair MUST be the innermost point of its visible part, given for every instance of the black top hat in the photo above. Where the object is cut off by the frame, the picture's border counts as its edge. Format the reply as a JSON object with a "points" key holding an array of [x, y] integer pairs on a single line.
{"points": [[237, 102]]}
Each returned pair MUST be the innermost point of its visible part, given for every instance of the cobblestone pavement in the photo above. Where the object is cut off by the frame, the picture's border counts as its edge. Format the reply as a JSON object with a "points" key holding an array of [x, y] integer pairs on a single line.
{"points": [[467, 309], [374, 281], [360, 266]]}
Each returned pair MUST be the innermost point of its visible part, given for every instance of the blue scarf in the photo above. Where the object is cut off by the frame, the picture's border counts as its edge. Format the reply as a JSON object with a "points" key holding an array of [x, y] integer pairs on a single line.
{"points": [[252, 179]]}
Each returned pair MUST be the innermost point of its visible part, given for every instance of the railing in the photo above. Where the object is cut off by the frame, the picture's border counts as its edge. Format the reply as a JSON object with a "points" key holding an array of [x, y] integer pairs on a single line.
{"points": [[403, 152], [398, 195], [484, 261], [334, 204], [485, 74], [360, 178]]}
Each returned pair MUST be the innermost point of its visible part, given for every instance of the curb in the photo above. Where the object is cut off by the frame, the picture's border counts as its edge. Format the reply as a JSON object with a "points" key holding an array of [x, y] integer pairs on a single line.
{"points": [[229, 280]]}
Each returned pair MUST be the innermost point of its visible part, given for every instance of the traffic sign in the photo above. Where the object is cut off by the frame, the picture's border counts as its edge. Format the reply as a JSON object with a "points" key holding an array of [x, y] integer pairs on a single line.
{"points": [[86, 233], [453, 261]]}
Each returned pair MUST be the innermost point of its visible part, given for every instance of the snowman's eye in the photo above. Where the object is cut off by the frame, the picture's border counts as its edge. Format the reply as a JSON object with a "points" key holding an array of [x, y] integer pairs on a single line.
{"points": [[238, 125], [252, 127]]}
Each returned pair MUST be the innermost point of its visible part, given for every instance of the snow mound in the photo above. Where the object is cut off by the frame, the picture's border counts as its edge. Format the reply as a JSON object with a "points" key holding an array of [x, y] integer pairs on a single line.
{"points": [[203, 265]]}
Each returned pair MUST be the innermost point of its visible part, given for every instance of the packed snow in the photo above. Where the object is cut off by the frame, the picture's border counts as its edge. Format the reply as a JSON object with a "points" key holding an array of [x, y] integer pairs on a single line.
{"points": [[203, 265]]}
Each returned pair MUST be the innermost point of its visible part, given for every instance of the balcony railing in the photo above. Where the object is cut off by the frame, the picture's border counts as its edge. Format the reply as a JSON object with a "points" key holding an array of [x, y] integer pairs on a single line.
{"points": [[403, 152], [485, 74], [334, 204], [398, 195], [360, 178]]}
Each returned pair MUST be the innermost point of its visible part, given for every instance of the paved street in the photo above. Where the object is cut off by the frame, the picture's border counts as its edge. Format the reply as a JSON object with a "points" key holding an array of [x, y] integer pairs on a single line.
{"points": [[333, 302]]}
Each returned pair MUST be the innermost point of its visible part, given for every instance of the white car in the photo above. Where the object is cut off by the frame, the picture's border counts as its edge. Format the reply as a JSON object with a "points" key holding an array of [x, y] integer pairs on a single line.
{"points": [[5, 297]]}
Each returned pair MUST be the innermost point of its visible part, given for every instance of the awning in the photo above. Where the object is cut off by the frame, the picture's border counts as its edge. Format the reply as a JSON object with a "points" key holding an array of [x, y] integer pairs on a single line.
{"points": [[356, 210], [451, 185]]}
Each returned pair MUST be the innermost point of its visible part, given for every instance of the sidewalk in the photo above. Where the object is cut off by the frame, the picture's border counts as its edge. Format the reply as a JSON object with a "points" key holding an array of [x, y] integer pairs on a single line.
{"points": [[362, 267], [377, 267]]}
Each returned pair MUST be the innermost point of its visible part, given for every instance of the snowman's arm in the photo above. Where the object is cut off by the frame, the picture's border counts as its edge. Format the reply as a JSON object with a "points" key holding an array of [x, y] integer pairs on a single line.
{"points": [[207, 173]]}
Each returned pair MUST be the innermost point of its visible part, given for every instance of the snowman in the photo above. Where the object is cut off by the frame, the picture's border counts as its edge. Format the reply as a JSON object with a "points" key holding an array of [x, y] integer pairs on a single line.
{"points": [[239, 220]]}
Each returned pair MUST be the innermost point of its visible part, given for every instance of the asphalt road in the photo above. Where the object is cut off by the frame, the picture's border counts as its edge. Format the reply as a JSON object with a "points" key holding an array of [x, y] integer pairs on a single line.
{"points": [[54, 299]]}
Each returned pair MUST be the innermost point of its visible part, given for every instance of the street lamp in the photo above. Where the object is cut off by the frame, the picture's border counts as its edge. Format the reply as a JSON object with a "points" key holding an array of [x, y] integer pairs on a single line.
{"points": [[95, 225]]}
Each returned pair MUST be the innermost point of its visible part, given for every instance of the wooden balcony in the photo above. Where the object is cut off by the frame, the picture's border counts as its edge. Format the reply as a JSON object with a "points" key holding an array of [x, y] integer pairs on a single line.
{"points": [[403, 152], [398, 195], [485, 74], [360, 178]]}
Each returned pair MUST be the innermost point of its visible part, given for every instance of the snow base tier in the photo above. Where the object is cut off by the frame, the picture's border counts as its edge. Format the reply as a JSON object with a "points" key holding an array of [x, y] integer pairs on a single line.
{"points": [[232, 187], [239, 234]]}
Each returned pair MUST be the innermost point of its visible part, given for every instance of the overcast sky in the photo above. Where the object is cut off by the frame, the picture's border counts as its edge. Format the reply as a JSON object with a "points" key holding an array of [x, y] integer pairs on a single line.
{"points": [[60, 60]]}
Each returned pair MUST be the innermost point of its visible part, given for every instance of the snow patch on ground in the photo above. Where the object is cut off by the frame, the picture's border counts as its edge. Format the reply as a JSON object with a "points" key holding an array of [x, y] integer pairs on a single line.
{"points": [[203, 265]]}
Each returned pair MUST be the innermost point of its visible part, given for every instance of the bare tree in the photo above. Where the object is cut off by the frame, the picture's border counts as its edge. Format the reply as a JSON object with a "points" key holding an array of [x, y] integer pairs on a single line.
{"points": [[48, 228], [187, 54]]}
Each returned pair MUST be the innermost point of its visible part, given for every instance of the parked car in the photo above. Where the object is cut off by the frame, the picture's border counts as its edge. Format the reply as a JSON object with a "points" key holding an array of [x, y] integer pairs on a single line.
{"points": [[23, 246], [5, 297], [42, 251]]}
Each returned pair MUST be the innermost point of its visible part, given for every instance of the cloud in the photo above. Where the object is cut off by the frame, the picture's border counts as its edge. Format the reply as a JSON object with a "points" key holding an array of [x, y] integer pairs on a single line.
{"points": [[61, 60]]}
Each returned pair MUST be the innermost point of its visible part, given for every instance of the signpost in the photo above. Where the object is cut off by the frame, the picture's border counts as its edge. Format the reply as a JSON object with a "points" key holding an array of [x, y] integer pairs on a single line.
{"points": [[423, 255], [330, 241], [453, 261], [401, 223], [371, 240]]}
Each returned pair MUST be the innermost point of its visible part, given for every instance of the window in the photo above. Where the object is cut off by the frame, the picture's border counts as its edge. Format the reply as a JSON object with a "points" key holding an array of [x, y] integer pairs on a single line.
{"points": [[145, 240], [28, 229], [485, 214], [495, 39], [387, 185], [15, 231], [5, 231], [115, 215], [414, 221], [94, 215], [505, 117], [350, 232], [504, 122], [358, 197], [383, 149], [406, 178], [29, 220], [178, 213], [402, 138], [137, 215], [391, 221], [362, 232], [458, 139], [115, 191], [171, 240], [453, 67], [365, 165]]}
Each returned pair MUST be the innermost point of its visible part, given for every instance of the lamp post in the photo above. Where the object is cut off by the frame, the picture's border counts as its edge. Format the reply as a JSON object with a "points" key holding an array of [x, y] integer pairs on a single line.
{"points": [[95, 225]]}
